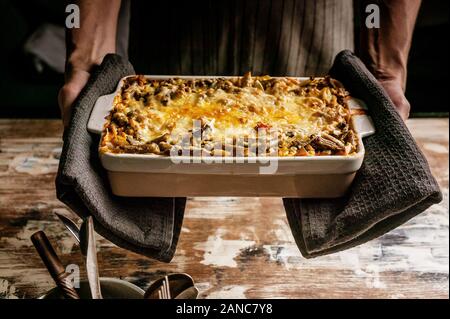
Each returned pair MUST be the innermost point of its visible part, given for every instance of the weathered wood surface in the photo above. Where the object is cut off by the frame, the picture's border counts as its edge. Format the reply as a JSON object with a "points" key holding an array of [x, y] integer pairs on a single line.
{"points": [[232, 247]]}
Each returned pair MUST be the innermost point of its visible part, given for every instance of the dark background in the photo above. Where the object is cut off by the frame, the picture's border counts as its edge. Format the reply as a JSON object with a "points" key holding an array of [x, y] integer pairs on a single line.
{"points": [[28, 93]]}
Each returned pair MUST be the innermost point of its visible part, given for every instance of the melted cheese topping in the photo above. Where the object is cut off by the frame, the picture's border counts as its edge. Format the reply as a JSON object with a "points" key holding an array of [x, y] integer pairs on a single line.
{"points": [[152, 116]]}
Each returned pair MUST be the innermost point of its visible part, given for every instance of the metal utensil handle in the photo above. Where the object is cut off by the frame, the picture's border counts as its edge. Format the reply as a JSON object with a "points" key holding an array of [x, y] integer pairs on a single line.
{"points": [[70, 225], [89, 249], [53, 264]]}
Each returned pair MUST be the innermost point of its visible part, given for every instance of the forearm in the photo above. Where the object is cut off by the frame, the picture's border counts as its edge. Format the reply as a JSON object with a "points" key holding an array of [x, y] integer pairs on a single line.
{"points": [[96, 37], [385, 50], [86, 47]]}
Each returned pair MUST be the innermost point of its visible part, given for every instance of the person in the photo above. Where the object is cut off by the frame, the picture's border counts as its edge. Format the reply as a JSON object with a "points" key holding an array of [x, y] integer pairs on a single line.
{"points": [[225, 37]]}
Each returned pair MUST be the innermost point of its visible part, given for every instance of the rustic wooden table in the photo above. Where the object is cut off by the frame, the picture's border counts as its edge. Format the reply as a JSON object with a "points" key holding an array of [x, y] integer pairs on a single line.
{"points": [[233, 247]]}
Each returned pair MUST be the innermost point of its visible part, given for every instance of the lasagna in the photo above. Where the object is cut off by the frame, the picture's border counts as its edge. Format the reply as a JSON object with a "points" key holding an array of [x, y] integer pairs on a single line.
{"points": [[229, 117]]}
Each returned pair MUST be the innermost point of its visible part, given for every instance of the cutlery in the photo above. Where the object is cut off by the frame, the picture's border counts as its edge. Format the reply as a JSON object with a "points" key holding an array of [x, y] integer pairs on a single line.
{"points": [[89, 250], [164, 290], [54, 265], [87, 244], [71, 226], [177, 283], [190, 293], [86, 241]]}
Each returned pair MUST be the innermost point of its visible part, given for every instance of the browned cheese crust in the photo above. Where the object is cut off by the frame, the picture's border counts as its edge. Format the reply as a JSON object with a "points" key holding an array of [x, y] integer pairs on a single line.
{"points": [[309, 117]]}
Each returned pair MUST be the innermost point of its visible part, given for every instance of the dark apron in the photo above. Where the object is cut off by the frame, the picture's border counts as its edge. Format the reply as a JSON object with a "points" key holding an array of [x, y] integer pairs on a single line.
{"points": [[231, 37]]}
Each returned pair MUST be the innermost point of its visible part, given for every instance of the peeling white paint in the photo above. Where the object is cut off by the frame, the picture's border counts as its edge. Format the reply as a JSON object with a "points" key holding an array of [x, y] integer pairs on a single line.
{"points": [[287, 255], [57, 152], [221, 252], [398, 296], [422, 246], [64, 243], [34, 165], [282, 231], [7, 291], [229, 292], [251, 233], [437, 148], [221, 207]]}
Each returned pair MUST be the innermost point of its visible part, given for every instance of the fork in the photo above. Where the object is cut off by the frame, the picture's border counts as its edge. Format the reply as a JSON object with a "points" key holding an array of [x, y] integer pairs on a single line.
{"points": [[164, 290]]}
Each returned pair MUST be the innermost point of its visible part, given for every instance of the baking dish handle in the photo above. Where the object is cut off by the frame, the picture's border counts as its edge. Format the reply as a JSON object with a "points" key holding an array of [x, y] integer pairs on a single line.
{"points": [[362, 123], [99, 112]]}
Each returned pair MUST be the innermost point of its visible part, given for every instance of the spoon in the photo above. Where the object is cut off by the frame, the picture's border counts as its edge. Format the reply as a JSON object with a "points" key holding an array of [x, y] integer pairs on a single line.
{"points": [[178, 283], [89, 251], [190, 293]]}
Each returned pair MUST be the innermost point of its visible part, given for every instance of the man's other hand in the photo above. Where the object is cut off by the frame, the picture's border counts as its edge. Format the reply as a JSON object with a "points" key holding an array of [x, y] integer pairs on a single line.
{"points": [[76, 80], [394, 90]]}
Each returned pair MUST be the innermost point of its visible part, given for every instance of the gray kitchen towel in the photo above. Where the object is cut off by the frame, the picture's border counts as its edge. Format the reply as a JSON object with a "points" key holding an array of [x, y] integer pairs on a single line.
{"points": [[393, 185], [148, 226]]}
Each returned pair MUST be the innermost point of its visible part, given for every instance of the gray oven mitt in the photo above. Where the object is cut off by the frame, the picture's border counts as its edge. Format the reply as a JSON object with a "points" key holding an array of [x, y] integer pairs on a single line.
{"points": [[393, 185], [148, 226]]}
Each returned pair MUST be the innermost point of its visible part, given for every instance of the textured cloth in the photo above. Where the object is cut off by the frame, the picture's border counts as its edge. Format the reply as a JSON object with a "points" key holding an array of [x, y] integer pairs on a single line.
{"points": [[231, 37], [149, 226], [393, 185]]}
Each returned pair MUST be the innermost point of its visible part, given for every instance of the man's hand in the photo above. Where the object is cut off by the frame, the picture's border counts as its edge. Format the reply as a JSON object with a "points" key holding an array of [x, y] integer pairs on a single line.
{"points": [[86, 47], [394, 90], [385, 50], [76, 80]]}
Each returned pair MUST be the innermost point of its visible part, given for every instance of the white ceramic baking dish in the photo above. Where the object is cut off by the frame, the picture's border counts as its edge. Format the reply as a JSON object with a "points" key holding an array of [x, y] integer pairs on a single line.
{"points": [[156, 175]]}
